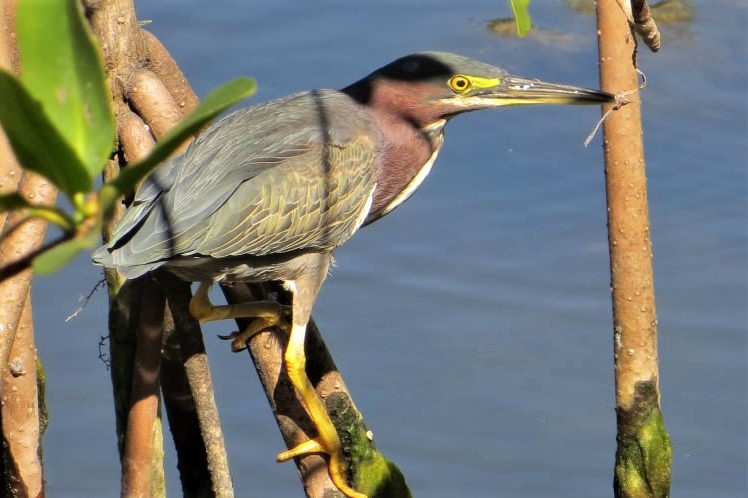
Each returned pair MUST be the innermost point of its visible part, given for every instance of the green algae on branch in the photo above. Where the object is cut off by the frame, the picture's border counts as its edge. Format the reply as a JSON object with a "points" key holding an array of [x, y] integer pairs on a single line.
{"points": [[369, 471], [644, 455]]}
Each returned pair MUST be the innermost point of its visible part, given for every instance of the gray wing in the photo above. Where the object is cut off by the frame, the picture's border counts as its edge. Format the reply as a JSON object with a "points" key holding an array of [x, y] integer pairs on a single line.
{"points": [[272, 178]]}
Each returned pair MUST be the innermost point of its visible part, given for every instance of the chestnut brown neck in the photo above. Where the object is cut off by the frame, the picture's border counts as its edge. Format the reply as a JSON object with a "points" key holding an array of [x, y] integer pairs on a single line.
{"points": [[411, 138]]}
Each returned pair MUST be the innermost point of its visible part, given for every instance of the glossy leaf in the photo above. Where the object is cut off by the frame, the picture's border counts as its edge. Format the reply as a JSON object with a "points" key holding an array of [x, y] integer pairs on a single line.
{"points": [[38, 146], [522, 16], [62, 68], [55, 258], [215, 103], [58, 256]]}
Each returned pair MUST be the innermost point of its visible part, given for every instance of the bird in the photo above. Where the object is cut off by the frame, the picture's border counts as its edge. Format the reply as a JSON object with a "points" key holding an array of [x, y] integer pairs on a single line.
{"points": [[270, 191]]}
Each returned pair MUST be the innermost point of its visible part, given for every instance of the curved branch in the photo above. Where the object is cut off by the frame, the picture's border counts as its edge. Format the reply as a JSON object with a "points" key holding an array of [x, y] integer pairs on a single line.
{"points": [[164, 66], [152, 100]]}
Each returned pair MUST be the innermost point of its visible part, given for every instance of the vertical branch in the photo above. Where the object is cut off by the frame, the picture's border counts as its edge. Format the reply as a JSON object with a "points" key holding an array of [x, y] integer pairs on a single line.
{"points": [[10, 172], [184, 424], [142, 475], [20, 415], [22, 452], [199, 378], [139, 430], [13, 291], [643, 455], [148, 89]]}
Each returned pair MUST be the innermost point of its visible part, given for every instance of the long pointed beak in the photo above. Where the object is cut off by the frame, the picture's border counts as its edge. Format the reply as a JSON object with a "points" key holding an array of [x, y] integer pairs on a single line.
{"points": [[514, 90]]}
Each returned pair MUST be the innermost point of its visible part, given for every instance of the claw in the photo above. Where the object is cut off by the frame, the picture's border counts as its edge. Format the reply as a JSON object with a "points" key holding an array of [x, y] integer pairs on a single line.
{"points": [[336, 465], [239, 340]]}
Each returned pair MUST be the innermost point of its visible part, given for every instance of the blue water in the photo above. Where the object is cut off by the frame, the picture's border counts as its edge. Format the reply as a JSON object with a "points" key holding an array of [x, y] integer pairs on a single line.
{"points": [[473, 324]]}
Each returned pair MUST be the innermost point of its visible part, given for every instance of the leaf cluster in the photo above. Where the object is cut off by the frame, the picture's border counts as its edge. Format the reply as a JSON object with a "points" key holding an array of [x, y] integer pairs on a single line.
{"points": [[59, 122]]}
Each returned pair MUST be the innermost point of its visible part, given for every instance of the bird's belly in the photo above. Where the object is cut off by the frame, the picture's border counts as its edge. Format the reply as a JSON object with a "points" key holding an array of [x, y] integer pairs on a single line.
{"points": [[284, 266]]}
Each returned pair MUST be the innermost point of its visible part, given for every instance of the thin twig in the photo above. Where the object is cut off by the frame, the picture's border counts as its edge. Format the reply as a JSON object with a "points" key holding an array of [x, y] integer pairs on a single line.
{"points": [[86, 299]]}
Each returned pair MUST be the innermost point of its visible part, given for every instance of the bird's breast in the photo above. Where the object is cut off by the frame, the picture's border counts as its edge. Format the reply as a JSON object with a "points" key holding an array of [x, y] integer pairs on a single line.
{"points": [[409, 157]]}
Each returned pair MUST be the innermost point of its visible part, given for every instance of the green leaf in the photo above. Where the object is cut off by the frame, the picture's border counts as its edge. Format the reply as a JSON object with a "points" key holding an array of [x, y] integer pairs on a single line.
{"points": [[55, 258], [522, 16], [58, 256], [215, 103], [38, 146], [62, 68]]}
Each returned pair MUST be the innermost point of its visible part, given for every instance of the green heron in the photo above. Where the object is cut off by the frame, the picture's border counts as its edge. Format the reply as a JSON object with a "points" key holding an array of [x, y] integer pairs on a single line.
{"points": [[270, 191]]}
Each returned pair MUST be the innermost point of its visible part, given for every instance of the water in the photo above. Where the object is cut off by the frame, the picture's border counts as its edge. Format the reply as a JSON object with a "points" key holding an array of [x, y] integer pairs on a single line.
{"points": [[473, 324]]}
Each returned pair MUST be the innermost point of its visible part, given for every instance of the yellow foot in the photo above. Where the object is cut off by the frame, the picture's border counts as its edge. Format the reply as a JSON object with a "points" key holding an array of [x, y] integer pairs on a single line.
{"points": [[239, 340], [336, 465], [202, 309]]}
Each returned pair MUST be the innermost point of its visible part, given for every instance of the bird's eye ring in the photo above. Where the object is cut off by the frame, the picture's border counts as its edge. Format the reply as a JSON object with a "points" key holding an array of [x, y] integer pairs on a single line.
{"points": [[459, 84]]}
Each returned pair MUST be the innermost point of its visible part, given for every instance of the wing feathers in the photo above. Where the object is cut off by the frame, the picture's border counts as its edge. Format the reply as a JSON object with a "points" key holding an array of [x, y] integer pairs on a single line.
{"points": [[264, 180]]}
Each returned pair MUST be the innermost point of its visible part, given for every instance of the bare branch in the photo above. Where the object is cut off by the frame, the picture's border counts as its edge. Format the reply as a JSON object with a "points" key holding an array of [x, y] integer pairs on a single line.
{"points": [[140, 471]]}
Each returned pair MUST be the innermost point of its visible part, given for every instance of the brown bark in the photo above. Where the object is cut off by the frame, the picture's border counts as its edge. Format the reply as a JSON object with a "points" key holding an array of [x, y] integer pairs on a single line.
{"points": [[30, 235], [152, 100], [23, 471], [643, 453], [136, 385], [10, 172], [164, 66], [266, 350], [645, 25], [20, 414], [116, 26], [156, 111], [135, 137], [632, 278], [199, 378], [184, 423], [8, 48], [142, 470], [368, 470]]}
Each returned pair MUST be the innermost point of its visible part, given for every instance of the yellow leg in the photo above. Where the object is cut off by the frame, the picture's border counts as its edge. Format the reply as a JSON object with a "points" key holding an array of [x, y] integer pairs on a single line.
{"points": [[327, 440], [270, 313]]}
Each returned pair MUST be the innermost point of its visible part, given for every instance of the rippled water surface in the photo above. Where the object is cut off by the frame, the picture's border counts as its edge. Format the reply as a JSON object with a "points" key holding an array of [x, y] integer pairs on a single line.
{"points": [[473, 324]]}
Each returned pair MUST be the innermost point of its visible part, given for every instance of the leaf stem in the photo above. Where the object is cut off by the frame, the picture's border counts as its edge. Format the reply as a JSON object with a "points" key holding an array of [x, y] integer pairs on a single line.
{"points": [[53, 215]]}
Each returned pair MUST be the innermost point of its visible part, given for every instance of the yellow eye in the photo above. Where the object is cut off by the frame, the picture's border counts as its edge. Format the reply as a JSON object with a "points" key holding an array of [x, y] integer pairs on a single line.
{"points": [[459, 84]]}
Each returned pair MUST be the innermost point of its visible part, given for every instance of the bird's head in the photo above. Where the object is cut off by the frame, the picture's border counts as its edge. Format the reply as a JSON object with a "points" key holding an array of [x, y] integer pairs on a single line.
{"points": [[432, 86]]}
